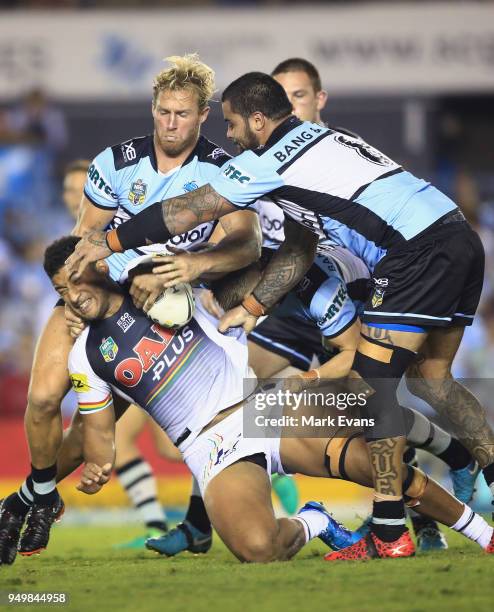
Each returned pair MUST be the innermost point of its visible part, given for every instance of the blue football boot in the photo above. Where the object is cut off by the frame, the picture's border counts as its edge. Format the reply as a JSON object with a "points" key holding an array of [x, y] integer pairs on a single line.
{"points": [[464, 481], [336, 536], [430, 539], [183, 537]]}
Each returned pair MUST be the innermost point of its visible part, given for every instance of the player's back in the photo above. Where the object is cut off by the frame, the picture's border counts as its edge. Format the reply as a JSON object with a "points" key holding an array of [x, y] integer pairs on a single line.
{"points": [[343, 189]]}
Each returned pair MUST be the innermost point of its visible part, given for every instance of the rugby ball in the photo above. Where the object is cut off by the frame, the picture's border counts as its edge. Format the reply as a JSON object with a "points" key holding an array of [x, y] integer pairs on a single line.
{"points": [[174, 307]]}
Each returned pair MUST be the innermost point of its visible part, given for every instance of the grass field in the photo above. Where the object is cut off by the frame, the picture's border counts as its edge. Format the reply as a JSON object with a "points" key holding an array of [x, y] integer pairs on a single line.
{"points": [[81, 562]]}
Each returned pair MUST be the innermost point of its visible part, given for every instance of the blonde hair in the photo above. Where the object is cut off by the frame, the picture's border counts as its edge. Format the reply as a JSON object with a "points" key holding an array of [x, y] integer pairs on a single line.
{"points": [[186, 72]]}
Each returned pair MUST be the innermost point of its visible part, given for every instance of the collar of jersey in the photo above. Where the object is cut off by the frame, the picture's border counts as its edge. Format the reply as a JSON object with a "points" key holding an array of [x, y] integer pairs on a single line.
{"points": [[193, 153], [277, 134]]}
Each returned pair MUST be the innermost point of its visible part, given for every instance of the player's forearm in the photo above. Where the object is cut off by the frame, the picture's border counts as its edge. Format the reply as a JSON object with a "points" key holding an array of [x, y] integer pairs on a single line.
{"points": [[163, 220], [98, 446], [338, 366], [287, 267], [235, 251], [91, 218]]}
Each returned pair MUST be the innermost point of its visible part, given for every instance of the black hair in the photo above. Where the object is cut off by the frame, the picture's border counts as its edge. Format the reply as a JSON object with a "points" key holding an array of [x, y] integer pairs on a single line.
{"points": [[257, 92], [298, 64], [57, 253]]}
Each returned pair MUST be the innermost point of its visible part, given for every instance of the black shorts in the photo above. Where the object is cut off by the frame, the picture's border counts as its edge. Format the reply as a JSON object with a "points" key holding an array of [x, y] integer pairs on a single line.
{"points": [[293, 338], [435, 280]]}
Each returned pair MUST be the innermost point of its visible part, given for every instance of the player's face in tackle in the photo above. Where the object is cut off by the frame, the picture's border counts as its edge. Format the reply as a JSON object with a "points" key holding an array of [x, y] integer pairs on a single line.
{"points": [[306, 102], [73, 187], [238, 129], [89, 296], [177, 120]]}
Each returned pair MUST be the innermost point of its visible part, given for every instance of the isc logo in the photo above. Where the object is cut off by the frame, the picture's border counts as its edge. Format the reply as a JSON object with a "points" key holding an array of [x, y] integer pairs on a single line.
{"points": [[237, 174]]}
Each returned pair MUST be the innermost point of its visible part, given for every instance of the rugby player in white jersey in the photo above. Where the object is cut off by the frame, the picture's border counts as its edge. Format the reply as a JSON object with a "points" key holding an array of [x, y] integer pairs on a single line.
{"points": [[122, 181], [345, 192], [197, 384]]}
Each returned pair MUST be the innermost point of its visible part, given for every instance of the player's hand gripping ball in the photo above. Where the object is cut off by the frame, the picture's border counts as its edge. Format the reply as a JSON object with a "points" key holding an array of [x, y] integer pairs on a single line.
{"points": [[174, 307]]}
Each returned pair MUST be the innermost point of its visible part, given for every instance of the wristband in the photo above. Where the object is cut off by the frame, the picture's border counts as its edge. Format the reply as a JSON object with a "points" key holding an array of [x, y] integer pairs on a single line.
{"points": [[312, 376], [147, 227], [253, 306], [112, 241]]}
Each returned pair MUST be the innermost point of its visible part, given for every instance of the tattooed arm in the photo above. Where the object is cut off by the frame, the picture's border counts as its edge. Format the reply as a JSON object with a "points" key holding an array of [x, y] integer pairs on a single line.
{"points": [[157, 223], [284, 271], [288, 265]]}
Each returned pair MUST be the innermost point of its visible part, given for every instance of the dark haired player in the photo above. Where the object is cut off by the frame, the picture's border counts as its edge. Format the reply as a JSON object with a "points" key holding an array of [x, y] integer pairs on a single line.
{"points": [[427, 263], [191, 382]]}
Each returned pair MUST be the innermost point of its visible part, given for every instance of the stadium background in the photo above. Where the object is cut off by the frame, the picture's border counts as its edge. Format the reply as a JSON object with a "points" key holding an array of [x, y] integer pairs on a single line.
{"points": [[415, 79]]}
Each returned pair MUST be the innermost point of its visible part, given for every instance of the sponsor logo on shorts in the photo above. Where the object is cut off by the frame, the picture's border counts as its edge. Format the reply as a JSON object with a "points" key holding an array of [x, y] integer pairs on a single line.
{"points": [[125, 322], [377, 298], [109, 349], [137, 193], [79, 383], [235, 173]]}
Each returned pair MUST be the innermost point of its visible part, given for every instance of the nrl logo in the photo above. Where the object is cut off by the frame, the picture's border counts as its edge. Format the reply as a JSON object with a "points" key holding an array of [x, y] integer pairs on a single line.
{"points": [[109, 349], [377, 298], [137, 193]]}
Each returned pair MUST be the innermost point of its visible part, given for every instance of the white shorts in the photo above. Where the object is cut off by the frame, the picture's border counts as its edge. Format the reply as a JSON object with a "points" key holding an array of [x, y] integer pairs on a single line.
{"points": [[223, 444]]}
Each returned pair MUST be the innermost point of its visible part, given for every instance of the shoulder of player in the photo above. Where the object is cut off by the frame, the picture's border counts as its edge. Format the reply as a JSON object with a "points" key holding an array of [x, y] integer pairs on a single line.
{"points": [[209, 152], [130, 152], [78, 351]]}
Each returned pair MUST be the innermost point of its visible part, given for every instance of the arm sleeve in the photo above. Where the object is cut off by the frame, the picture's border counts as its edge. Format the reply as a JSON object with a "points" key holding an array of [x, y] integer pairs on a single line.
{"points": [[93, 393], [332, 308], [245, 178], [101, 185]]}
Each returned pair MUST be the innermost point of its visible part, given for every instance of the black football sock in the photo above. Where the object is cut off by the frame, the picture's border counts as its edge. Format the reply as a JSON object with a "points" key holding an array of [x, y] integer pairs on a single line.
{"points": [[456, 455], [197, 515], [388, 520], [20, 502]]}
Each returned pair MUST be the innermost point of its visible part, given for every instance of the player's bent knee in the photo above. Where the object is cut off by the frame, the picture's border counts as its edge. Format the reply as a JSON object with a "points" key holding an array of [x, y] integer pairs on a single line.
{"points": [[42, 404], [257, 547], [414, 486]]}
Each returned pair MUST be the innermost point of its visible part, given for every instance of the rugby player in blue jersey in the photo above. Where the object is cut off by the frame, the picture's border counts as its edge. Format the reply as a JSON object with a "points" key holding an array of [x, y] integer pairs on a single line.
{"points": [[427, 264], [196, 383], [122, 181]]}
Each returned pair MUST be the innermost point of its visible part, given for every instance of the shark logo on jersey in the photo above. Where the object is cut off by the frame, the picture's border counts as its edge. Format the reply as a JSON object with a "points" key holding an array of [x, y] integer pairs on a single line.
{"points": [[109, 349], [377, 298], [218, 152], [364, 150], [191, 186], [137, 193]]}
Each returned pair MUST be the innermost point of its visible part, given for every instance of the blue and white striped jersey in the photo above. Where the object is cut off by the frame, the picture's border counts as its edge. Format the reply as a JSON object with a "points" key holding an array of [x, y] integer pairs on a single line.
{"points": [[331, 295], [344, 190], [125, 178]]}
